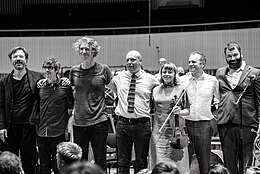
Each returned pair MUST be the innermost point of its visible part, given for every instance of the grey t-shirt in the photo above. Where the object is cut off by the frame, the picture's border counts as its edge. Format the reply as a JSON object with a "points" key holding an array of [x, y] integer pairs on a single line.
{"points": [[89, 91]]}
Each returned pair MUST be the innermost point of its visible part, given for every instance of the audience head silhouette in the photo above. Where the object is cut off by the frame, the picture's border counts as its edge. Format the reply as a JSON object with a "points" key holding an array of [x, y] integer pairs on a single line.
{"points": [[67, 153], [218, 169], [84, 167], [10, 163], [166, 167]]}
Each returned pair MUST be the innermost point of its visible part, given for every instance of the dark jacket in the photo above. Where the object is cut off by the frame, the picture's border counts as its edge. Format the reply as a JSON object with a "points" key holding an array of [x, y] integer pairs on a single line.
{"points": [[6, 96], [249, 105], [50, 112]]}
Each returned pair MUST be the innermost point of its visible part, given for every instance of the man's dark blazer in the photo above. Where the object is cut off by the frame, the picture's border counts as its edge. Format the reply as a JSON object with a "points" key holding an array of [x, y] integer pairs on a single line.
{"points": [[6, 96], [249, 105]]}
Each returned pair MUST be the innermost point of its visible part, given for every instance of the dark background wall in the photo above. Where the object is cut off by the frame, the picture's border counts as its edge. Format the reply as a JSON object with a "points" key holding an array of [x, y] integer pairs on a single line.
{"points": [[69, 14]]}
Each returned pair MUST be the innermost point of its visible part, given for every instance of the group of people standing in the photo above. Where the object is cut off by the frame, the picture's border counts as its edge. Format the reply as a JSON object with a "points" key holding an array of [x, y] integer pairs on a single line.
{"points": [[37, 106]]}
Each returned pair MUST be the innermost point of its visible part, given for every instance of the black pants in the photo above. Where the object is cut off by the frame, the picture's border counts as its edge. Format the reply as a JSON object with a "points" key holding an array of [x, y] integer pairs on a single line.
{"points": [[97, 135], [21, 140], [231, 145], [47, 153]]}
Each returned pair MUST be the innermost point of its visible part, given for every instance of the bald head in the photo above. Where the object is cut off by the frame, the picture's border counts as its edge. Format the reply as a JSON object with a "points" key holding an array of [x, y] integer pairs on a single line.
{"points": [[162, 61], [133, 61], [134, 54]]}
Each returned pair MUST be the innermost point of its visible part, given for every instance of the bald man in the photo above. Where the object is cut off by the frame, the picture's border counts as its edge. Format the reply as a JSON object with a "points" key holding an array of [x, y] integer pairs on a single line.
{"points": [[133, 125], [162, 61]]}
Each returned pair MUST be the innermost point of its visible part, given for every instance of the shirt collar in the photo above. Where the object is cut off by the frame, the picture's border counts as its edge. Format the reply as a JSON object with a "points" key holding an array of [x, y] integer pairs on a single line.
{"points": [[202, 77], [137, 74]]}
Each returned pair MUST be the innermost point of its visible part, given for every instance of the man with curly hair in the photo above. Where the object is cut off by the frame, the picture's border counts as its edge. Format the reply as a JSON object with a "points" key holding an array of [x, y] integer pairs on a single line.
{"points": [[89, 79]]}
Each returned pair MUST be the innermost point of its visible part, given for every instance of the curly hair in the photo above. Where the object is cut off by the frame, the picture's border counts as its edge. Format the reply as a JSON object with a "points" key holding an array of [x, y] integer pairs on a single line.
{"points": [[90, 41]]}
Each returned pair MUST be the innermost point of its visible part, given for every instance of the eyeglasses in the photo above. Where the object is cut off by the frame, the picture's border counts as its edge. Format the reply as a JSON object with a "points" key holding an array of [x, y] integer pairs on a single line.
{"points": [[48, 67]]}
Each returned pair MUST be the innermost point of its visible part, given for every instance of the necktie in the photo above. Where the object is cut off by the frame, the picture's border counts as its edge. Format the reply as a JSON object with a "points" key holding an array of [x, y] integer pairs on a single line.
{"points": [[131, 94]]}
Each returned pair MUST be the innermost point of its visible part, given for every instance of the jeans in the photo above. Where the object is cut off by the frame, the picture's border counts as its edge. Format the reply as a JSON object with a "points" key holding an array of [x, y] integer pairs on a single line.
{"points": [[200, 133], [97, 136], [21, 141], [127, 135], [47, 153]]}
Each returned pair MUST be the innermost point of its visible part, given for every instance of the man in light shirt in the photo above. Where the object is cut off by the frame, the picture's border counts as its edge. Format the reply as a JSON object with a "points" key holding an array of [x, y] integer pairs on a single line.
{"points": [[201, 89], [239, 86], [133, 128]]}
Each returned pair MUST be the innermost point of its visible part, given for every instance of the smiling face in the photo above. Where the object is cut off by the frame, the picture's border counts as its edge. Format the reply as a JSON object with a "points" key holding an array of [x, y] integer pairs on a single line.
{"points": [[18, 60], [85, 51], [168, 75], [133, 61], [195, 63]]}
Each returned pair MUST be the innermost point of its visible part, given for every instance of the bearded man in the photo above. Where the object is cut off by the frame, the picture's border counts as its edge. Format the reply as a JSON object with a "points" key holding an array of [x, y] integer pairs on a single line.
{"points": [[239, 109]]}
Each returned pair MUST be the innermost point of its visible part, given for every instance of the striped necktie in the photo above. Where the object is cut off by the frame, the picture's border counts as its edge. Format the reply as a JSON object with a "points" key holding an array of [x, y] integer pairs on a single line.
{"points": [[131, 94]]}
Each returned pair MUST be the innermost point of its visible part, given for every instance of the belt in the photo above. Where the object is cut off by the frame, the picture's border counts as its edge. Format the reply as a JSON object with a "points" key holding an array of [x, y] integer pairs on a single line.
{"points": [[199, 121], [134, 120]]}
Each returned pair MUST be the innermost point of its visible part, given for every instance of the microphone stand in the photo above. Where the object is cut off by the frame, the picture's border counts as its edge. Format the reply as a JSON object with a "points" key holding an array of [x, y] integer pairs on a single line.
{"points": [[241, 128]]}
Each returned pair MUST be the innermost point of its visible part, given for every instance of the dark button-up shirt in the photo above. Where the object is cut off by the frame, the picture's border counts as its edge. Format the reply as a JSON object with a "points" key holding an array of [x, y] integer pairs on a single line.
{"points": [[54, 102]]}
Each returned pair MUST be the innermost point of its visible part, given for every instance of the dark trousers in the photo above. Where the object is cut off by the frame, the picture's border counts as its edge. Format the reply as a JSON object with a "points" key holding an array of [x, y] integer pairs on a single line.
{"points": [[47, 153], [200, 133], [127, 135], [97, 136], [231, 146], [21, 140]]}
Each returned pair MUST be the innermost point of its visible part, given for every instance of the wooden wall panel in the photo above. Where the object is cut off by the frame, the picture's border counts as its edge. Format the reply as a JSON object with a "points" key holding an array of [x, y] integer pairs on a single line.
{"points": [[173, 46]]}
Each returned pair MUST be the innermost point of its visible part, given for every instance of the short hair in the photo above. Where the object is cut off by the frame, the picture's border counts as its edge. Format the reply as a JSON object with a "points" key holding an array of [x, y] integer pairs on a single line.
{"points": [[165, 167], [135, 54], [93, 44], [162, 60], [231, 46], [69, 152], [10, 163], [15, 49], [218, 169], [51, 62], [202, 56], [84, 167], [169, 66]]}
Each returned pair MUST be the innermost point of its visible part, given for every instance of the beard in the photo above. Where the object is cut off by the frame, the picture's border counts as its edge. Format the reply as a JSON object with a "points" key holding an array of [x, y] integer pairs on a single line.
{"points": [[235, 64], [19, 64]]}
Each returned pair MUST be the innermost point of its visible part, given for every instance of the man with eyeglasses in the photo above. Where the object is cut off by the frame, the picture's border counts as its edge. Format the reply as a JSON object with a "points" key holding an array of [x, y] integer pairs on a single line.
{"points": [[52, 109]]}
